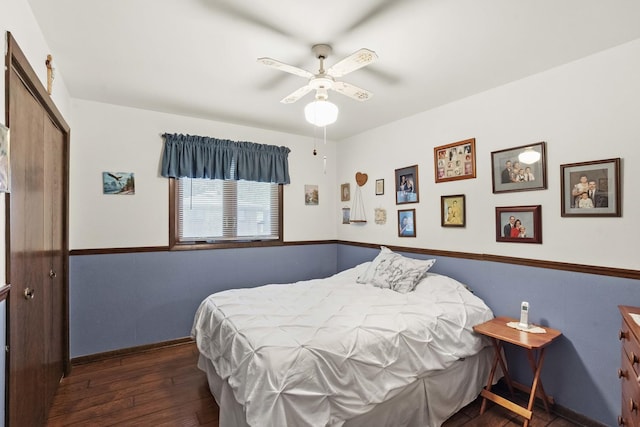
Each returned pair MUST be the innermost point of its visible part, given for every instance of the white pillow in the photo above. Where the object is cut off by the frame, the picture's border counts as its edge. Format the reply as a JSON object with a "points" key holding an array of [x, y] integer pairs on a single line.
{"points": [[393, 271], [370, 272]]}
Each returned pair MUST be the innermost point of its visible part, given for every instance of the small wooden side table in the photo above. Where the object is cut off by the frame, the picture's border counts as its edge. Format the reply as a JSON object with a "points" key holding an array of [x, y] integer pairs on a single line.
{"points": [[500, 333]]}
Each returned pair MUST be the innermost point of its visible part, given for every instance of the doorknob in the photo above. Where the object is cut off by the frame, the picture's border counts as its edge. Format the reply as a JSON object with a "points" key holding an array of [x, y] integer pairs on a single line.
{"points": [[52, 274], [29, 293]]}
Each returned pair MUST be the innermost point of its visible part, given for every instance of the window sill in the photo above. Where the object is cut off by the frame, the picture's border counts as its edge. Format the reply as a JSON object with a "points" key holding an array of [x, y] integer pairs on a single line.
{"points": [[224, 245]]}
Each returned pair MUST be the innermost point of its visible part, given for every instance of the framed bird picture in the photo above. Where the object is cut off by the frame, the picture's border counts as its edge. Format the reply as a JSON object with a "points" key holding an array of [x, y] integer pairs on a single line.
{"points": [[118, 183]]}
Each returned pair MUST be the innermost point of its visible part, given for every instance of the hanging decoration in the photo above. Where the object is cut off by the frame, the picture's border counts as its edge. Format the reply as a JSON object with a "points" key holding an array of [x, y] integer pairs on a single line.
{"points": [[380, 216], [50, 73], [357, 208]]}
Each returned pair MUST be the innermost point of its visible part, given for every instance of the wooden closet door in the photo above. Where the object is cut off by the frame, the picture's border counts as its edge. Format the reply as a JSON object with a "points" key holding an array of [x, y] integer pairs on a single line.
{"points": [[26, 260], [54, 231], [37, 244]]}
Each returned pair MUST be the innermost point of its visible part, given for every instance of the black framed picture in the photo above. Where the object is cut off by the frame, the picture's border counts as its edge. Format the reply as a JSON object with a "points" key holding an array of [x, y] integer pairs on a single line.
{"points": [[521, 168], [407, 185], [591, 188]]}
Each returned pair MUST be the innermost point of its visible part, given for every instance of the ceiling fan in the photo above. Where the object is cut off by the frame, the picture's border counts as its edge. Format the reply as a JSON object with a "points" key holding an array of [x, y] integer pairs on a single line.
{"points": [[325, 80]]}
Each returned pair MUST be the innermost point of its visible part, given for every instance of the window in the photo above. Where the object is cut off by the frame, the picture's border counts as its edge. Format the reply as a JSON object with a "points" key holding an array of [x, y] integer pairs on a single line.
{"points": [[217, 212]]}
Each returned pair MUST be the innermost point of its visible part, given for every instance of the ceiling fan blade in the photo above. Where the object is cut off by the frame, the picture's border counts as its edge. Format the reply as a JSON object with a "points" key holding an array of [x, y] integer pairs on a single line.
{"points": [[296, 95], [381, 8], [273, 63], [245, 13], [352, 91], [352, 62]]}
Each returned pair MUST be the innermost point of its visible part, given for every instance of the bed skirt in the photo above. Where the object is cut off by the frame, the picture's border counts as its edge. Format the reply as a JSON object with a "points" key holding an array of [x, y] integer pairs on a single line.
{"points": [[428, 401]]}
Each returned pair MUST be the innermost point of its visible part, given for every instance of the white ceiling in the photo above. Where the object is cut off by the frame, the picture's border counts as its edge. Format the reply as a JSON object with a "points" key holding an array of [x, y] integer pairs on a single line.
{"points": [[198, 57]]}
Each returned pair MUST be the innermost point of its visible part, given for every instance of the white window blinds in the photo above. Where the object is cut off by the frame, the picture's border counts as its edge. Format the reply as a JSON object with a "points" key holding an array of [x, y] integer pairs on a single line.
{"points": [[224, 210]]}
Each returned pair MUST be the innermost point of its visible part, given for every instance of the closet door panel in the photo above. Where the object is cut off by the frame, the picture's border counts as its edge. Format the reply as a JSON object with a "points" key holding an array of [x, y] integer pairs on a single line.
{"points": [[26, 242], [54, 220]]}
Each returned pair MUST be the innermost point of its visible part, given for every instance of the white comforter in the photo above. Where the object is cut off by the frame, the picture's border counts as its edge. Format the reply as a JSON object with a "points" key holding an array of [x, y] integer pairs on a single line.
{"points": [[320, 352]]}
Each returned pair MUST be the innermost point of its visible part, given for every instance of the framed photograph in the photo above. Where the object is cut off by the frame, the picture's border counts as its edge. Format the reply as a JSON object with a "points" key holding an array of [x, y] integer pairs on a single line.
{"points": [[407, 185], [118, 183], [455, 161], [591, 188], [5, 171], [311, 195], [453, 211], [521, 168], [346, 215], [407, 223], [519, 224], [379, 187], [345, 192]]}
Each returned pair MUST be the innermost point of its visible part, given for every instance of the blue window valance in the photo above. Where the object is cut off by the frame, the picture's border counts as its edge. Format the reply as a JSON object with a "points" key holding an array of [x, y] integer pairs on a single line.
{"points": [[190, 156]]}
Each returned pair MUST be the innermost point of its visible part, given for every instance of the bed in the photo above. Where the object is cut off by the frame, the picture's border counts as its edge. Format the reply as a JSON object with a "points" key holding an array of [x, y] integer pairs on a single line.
{"points": [[360, 348]]}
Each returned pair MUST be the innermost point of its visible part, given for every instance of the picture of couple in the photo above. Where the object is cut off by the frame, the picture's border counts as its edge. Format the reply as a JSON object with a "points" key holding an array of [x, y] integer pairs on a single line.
{"points": [[453, 211], [406, 192], [407, 185]]}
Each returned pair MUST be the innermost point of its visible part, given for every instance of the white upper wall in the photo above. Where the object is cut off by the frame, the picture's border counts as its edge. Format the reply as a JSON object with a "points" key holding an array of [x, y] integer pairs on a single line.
{"points": [[109, 138], [585, 110]]}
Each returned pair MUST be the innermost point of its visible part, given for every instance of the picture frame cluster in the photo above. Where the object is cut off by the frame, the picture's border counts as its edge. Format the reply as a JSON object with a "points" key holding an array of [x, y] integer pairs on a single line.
{"points": [[588, 189]]}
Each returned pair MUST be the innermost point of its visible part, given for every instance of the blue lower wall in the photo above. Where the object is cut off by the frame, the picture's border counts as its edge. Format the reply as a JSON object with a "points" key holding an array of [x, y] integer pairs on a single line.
{"points": [[126, 300]]}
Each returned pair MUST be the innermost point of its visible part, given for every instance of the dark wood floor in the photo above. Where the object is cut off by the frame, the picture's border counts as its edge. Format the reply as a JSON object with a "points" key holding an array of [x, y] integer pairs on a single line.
{"points": [[163, 387]]}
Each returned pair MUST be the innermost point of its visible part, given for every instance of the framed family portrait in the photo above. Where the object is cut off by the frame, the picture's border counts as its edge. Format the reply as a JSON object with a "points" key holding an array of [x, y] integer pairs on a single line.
{"points": [[521, 168], [452, 211], [591, 188], [345, 192], [379, 187], [407, 185], [455, 161], [519, 224], [407, 223]]}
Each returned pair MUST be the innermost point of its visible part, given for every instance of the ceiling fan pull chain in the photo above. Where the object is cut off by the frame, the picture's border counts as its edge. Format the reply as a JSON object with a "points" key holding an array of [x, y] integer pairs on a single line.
{"points": [[324, 130]]}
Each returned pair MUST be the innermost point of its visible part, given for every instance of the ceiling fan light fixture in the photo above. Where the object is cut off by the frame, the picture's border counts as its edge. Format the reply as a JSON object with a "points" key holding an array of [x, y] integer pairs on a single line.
{"points": [[321, 112], [529, 156]]}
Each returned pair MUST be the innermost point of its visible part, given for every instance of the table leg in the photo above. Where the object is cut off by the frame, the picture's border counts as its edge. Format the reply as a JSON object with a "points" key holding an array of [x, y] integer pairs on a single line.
{"points": [[497, 346], [537, 386], [496, 358], [505, 371]]}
